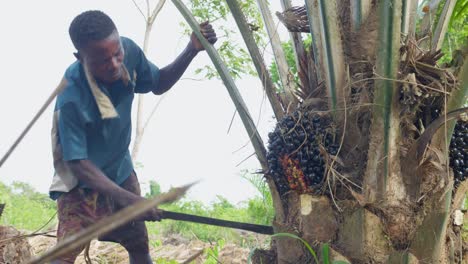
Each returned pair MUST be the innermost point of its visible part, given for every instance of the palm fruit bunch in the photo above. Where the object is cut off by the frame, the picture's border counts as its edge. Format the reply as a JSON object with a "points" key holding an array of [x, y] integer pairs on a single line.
{"points": [[297, 151], [459, 152], [458, 148]]}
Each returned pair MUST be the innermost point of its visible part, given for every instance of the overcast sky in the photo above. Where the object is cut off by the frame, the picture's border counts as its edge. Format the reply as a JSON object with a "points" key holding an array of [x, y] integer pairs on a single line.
{"points": [[187, 139]]}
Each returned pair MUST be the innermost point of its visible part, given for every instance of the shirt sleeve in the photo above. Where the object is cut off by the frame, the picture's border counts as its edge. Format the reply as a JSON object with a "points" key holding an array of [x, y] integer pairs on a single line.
{"points": [[147, 74], [72, 133]]}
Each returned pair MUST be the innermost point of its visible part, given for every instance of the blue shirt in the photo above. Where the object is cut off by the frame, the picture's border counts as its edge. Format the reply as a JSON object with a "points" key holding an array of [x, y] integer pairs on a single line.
{"points": [[83, 132]]}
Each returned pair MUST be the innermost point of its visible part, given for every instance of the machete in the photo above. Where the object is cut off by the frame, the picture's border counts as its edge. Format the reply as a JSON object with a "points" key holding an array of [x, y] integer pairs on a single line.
{"points": [[261, 229]]}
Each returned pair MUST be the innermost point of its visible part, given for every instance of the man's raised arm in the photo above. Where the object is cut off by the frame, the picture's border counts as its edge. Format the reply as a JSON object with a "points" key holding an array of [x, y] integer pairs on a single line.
{"points": [[170, 74]]}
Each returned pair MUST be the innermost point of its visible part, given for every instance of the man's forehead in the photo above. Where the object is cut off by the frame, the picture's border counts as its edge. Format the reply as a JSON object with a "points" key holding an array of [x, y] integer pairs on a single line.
{"points": [[110, 44]]}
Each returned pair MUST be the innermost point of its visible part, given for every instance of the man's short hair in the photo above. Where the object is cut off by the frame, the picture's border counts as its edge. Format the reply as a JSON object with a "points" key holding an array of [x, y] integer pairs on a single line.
{"points": [[90, 26]]}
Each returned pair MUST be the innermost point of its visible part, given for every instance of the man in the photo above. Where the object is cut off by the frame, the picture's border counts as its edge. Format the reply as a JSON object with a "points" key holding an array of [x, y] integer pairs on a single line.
{"points": [[92, 129]]}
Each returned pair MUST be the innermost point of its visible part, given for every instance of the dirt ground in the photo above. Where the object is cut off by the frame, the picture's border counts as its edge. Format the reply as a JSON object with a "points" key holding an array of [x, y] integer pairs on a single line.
{"points": [[172, 248]]}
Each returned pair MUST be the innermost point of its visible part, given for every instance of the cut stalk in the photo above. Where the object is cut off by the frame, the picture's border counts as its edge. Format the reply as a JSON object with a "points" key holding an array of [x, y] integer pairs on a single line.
{"points": [[409, 16], [383, 157], [359, 12], [328, 50], [430, 236]]}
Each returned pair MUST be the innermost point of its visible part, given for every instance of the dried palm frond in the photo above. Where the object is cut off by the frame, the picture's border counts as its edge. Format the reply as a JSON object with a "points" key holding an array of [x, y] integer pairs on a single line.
{"points": [[423, 87], [307, 74], [295, 19], [13, 247], [430, 79]]}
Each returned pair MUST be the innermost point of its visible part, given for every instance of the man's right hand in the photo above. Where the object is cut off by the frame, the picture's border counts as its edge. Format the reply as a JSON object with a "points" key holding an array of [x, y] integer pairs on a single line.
{"points": [[92, 176], [152, 215]]}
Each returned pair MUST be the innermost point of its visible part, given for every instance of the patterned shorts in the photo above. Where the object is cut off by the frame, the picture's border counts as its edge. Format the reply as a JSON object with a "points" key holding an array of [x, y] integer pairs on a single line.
{"points": [[80, 208]]}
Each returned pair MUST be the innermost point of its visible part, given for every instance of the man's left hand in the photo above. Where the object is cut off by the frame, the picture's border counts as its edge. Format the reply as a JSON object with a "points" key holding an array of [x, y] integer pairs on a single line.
{"points": [[208, 32]]}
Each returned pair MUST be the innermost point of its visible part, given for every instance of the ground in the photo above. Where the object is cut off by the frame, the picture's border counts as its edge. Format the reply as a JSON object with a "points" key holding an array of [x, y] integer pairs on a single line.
{"points": [[172, 248]]}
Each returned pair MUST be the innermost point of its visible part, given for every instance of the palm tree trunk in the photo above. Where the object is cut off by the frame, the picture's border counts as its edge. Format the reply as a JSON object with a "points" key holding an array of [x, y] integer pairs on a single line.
{"points": [[390, 200]]}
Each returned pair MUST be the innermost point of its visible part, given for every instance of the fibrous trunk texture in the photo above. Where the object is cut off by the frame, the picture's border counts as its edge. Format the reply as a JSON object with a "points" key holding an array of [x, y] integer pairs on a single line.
{"points": [[377, 184]]}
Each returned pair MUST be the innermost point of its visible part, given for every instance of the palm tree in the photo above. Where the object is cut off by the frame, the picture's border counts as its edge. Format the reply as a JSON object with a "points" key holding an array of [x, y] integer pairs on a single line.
{"points": [[359, 160]]}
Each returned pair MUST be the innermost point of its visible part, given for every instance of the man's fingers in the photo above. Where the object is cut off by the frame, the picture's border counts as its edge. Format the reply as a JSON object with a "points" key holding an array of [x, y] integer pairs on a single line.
{"points": [[209, 35], [207, 30], [208, 26]]}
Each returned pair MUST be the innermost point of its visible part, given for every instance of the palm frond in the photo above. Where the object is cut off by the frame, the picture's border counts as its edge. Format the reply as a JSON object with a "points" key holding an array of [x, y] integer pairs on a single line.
{"points": [[280, 57], [257, 58]]}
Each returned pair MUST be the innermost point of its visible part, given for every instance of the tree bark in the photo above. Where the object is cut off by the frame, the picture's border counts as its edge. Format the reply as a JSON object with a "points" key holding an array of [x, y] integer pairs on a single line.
{"points": [[140, 125]]}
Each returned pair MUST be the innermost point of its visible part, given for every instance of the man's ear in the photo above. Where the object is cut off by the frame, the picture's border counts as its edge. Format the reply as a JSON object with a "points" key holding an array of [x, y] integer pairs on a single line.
{"points": [[78, 56]]}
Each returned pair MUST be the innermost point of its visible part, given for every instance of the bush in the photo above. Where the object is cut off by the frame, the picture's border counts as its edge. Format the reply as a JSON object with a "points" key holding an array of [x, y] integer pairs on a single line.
{"points": [[26, 209]]}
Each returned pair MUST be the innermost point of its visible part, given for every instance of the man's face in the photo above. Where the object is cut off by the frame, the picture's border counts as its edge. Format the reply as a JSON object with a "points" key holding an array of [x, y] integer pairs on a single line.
{"points": [[104, 58]]}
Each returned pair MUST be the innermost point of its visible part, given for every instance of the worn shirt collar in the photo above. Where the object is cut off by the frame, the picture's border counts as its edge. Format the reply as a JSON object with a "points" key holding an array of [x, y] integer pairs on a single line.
{"points": [[104, 104]]}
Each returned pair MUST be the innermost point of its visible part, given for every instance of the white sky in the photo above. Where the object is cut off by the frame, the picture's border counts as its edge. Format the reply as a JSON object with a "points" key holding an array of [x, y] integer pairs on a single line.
{"points": [[186, 140]]}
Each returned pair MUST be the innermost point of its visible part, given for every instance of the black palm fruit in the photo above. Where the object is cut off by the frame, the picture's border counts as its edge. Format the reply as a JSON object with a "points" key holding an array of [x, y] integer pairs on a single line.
{"points": [[294, 157], [459, 152]]}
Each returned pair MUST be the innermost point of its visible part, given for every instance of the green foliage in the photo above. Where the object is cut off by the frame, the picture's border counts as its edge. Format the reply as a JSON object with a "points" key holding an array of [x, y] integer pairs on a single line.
{"points": [[288, 51], [258, 210], [326, 256], [212, 253], [154, 189], [165, 261], [460, 10], [220, 209], [260, 207], [233, 54], [26, 209], [457, 32], [32, 209], [155, 243], [325, 249]]}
